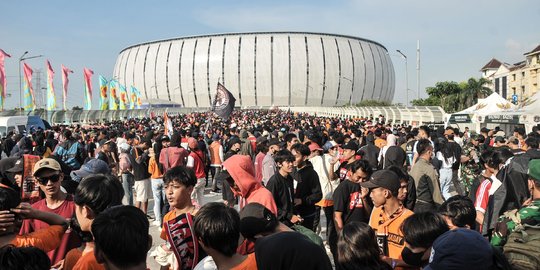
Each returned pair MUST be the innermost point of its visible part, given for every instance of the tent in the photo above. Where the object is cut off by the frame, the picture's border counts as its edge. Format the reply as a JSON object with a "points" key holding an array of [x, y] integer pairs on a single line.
{"points": [[475, 114], [527, 113]]}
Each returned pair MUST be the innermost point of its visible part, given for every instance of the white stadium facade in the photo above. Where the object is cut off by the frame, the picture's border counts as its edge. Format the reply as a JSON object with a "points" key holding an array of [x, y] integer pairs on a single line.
{"points": [[260, 69]]}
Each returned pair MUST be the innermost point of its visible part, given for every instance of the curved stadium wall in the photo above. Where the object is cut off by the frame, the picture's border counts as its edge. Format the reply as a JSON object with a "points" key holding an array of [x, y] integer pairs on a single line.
{"points": [[260, 69]]}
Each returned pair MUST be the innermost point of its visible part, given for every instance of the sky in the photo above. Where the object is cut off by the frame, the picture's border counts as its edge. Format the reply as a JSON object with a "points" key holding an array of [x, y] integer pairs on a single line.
{"points": [[456, 37]]}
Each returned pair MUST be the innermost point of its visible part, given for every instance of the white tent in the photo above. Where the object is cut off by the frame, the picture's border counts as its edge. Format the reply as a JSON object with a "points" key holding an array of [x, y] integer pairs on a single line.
{"points": [[527, 113], [494, 103]]}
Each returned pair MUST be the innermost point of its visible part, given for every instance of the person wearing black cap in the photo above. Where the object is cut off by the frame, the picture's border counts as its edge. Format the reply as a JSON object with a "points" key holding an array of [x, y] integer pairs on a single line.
{"points": [[388, 215], [349, 156], [269, 165]]}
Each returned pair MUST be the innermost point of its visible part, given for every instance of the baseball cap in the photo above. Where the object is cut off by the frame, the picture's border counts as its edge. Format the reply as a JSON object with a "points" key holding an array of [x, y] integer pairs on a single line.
{"points": [[17, 167], [448, 252], [274, 141], [314, 146], [93, 166], [513, 140], [329, 144], [165, 138], [500, 139], [351, 146], [46, 163], [534, 169], [383, 178], [256, 219]]}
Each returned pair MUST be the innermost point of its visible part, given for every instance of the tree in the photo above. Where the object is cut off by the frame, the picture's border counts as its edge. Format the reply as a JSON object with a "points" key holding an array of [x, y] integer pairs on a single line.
{"points": [[444, 90], [474, 89], [77, 108], [430, 101]]}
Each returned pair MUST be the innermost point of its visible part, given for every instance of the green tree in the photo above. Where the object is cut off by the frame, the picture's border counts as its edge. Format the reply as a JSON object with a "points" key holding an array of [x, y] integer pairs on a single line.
{"points": [[444, 91], [474, 89], [430, 101]]}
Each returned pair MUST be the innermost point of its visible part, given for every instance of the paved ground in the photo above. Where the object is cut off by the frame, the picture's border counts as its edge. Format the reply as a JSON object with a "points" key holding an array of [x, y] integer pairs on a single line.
{"points": [[208, 197]]}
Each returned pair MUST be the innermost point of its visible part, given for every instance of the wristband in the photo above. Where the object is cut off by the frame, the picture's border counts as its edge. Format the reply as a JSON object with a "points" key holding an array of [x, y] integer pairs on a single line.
{"points": [[394, 264]]}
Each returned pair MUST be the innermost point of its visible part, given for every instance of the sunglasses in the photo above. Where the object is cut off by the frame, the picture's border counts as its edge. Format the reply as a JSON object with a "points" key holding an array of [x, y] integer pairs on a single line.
{"points": [[44, 180]]}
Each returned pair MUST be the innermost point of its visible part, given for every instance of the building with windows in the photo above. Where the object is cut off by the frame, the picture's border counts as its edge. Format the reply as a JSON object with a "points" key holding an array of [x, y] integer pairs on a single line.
{"points": [[516, 81], [260, 69]]}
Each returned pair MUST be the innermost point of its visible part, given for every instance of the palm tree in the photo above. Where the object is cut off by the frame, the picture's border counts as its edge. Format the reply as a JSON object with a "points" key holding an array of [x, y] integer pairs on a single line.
{"points": [[475, 89]]}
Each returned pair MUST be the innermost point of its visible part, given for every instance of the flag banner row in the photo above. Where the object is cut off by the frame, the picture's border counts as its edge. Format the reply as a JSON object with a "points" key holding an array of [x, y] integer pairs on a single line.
{"points": [[113, 95]]}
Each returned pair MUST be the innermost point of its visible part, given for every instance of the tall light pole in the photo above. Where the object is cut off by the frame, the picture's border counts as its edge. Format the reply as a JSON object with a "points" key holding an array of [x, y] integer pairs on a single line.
{"points": [[406, 76], [22, 58]]}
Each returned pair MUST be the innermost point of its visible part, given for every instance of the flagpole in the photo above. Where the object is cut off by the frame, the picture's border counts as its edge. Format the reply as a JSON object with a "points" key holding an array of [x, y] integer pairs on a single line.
{"points": [[212, 109]]}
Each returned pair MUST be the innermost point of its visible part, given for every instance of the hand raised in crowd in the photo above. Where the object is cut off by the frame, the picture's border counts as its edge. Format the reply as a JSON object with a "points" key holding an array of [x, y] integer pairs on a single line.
{"points": [[25, 210]]}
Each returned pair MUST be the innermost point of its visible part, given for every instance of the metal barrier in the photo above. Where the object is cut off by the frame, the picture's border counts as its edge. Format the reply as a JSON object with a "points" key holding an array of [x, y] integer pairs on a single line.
{"points": [[419, 115], [397, 114]]}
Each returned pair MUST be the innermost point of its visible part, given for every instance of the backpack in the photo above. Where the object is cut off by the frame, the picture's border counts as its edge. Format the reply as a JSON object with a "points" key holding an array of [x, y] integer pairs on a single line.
{"points": [[522, 248], [70, 155]]}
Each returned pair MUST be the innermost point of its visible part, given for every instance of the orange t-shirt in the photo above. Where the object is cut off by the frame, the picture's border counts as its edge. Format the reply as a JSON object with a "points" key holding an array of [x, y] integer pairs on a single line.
{"points": [[88, 262], [167, 217], [45, 239], [385, 227], [248, 264], [380, 143]]}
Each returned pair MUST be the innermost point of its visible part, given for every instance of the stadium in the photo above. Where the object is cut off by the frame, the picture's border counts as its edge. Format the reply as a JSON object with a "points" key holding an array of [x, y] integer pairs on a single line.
{"points": [[260, 69]]}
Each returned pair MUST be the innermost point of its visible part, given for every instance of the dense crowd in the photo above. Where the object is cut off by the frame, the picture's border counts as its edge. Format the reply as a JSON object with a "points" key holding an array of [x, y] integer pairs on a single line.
{"points": [[298, 191]]}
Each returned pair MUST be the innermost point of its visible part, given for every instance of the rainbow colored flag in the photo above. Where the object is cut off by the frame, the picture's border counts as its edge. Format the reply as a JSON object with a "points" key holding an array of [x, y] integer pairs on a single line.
{"points": [[51, 97], [113, 100], [29, 99], [135, 98], [124, 101], [3, 81], [103, 98], [88, 88], [65, 81]]}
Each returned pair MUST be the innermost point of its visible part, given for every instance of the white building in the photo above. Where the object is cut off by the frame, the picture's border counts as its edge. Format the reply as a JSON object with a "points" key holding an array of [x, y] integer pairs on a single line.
{"points": [[260, 69]]}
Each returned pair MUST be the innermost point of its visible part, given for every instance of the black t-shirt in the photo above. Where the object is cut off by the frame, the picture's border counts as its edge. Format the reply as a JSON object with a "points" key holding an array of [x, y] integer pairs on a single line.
{"points": [[341, 171], [290, 250], [348, 200]]}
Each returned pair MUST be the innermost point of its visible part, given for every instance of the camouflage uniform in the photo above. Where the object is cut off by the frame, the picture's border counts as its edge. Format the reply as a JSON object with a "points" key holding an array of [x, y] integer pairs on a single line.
{"points": [[528, 215], [470, 169]]}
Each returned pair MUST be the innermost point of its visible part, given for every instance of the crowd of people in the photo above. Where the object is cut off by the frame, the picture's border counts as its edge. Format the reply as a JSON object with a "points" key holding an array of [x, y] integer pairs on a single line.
{"points": [[298, 191]]}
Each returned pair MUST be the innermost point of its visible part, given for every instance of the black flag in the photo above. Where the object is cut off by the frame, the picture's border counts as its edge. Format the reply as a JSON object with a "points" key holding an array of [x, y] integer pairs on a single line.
{"points": [[224, 102]]}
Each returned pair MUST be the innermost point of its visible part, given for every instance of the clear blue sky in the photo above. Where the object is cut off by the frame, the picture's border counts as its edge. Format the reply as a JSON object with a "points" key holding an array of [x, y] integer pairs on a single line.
{"points": [[457, 37]]}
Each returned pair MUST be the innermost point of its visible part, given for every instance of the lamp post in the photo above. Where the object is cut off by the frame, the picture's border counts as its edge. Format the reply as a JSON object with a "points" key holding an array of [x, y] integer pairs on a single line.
{"points": [[22, 58], [406, 76]]}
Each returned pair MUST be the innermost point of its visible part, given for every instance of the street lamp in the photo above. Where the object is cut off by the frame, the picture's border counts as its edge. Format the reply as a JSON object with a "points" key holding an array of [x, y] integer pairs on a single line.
{"points": [[22, 58], [406, 76]]}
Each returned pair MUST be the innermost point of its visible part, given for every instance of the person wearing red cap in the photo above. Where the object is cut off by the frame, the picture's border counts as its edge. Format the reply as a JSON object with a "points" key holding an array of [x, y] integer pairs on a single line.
{"points": [[195, 161]]}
